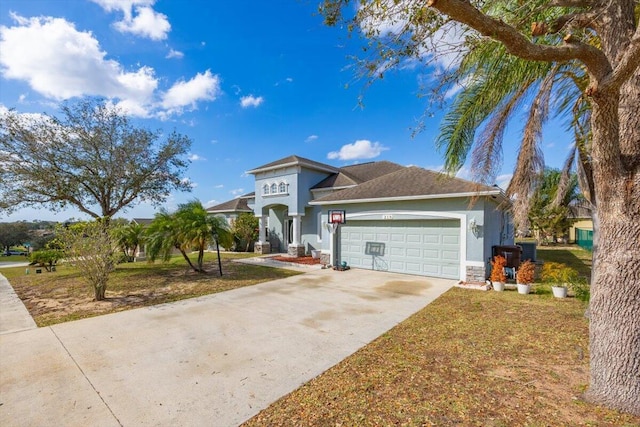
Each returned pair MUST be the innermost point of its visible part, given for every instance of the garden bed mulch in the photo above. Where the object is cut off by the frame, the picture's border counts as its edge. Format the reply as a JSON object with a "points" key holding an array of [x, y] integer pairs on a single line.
{"points": [[305, 260]]}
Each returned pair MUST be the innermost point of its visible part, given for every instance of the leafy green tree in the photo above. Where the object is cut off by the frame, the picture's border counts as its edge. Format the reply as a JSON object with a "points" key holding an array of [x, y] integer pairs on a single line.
{"points": [[189, 228], [128, 237], [599, 42], [93, 159], [549, 210], [46, 258], [13, 233], [245, 229], [90, 247]]}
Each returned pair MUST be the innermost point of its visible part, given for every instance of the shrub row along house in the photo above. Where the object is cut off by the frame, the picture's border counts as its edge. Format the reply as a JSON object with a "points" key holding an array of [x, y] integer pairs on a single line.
{"points": [[399, 219]]}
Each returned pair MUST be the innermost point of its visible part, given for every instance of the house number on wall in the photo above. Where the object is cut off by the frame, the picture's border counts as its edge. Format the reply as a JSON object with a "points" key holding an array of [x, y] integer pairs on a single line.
{"points": [[387, 216]]}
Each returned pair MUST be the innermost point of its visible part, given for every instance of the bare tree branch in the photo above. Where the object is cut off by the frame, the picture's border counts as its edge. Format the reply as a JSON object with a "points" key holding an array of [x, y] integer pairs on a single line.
{"points": [[517, 44], [628, 64]]}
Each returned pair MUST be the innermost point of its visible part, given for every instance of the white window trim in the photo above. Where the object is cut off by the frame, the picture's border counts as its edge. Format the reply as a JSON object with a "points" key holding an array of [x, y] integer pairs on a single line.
{"points": [[267, 189]]}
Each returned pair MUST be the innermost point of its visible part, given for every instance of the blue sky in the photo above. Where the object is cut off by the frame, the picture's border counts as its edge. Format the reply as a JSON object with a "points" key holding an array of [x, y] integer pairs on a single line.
{"points": [[248, 81]]}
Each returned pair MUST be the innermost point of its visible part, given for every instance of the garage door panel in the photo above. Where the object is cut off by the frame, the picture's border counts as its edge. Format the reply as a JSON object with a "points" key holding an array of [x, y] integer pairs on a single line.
{"points": [[451, 240], [398, 237], [414, 238], [396, 251], [413, 252], [382, 237], [449, 255], [430, 239], [413, 267], [450, 271], [429, 247], [431, 254]]}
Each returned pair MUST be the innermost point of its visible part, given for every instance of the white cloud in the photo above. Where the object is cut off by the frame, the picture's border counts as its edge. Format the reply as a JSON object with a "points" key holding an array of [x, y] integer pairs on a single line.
{"points": [[139, 18], [211, 203], [194, 157], [311, 138], [174, 54], [61, 62], [361, 149], [237, 191], [147, 23], [219, 186], [251, 101], [186, 93], [289, 79]]}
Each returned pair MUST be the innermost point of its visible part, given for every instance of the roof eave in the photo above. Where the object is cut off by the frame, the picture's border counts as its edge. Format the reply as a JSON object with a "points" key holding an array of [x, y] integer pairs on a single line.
{"points": [[333, 188], [228, 210], [286, 165], [408, 198]]}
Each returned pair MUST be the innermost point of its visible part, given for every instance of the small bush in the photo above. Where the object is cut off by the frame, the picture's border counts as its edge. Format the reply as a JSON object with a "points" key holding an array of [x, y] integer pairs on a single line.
{"points": [[526, 272], [497, 269], [558, 274]]}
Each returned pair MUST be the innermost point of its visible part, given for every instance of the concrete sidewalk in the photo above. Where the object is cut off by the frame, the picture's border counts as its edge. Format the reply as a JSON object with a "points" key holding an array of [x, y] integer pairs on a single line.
{"points": [[14, 316], [215, 360]]}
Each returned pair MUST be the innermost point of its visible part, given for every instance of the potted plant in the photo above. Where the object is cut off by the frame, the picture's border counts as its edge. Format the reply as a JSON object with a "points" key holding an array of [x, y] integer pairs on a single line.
{"points": [[525, 276], [560, 277], [498, 277]]}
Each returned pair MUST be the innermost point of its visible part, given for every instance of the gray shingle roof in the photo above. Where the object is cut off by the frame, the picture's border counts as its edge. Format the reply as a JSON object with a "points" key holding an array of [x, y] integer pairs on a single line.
{"points": [[235, 205], [357, 174], [294, 160], [408, 182]]}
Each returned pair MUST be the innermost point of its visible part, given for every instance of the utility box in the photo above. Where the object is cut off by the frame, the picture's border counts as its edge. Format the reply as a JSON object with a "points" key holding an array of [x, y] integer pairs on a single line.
{"points": [[528, 251], [512, 253]]}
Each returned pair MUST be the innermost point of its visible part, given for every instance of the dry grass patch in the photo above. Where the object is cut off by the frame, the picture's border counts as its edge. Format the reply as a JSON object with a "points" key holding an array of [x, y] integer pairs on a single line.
{"points": [[468, 359], [64, 295]]}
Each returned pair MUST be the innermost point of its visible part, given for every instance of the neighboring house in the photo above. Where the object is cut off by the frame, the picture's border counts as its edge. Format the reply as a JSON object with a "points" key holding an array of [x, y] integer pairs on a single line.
{"points": [[580, 213], [400, 219], [231, 209]]}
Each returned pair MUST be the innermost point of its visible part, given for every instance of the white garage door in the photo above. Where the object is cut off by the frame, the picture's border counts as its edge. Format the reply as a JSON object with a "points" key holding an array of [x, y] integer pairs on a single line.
{"points": [[427, 248]]}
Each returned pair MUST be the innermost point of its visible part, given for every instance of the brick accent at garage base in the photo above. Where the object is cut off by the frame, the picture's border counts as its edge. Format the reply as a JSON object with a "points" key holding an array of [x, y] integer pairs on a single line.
{"points": [[475, 274]]}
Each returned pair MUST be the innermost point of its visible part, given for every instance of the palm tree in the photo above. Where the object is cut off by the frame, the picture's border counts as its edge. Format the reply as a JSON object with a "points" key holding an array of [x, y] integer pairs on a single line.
{"points": [[129, 237], [189, 228], [496, 86], [197, 229]]}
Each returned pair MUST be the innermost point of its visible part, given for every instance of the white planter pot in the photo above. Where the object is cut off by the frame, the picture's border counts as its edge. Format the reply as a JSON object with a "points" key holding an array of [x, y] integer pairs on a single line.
{"points": [[524, 288], [315, 253], [559, 291], [498, 286]]}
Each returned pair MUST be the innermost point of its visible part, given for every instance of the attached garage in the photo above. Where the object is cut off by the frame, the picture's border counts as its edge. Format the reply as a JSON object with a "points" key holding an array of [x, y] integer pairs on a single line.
{"points": [[421, 247]]}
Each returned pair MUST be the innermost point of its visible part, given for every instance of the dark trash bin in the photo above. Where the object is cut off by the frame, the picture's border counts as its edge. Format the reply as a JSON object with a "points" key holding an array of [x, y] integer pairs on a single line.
{"points": [[512, 253]]}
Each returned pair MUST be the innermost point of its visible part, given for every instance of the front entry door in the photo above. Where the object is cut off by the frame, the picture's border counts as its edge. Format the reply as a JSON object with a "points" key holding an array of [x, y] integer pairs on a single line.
{"points": [[288, 231]]}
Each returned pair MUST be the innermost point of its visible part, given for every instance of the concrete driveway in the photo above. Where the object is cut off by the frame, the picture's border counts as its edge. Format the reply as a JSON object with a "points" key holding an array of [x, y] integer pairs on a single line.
{"points": [[215, 360]]}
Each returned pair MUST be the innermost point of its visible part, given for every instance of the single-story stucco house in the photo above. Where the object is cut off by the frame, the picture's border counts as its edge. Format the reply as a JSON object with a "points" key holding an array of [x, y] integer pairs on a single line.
{"points": [[398, 218]]}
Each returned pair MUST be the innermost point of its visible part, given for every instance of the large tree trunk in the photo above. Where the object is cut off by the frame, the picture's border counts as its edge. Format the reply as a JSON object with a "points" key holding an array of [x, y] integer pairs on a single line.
{"points": [[615, 292]]}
